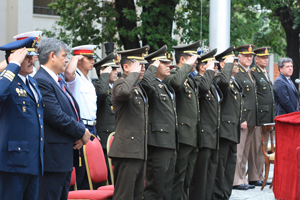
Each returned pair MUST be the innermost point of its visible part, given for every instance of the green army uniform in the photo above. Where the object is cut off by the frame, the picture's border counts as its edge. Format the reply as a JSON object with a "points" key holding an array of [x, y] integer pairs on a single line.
{"points": [[162, 132], [249, 115], [129, 147], [187, 107], [210, 98], [265, 114], [231, 110]]}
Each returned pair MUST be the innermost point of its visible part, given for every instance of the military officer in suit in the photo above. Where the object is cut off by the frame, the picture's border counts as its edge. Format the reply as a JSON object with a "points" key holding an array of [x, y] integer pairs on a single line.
{"points": [[187, 107], [231, 110], [210, 98], [249, 115], [265, 114], [21, 122], [162, 129], [129, 147], [108, 74]]}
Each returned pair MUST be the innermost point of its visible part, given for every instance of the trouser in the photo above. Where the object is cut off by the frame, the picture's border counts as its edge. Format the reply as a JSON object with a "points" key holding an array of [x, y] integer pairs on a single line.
{"points": [[256, 159], [204, 175], [185, 162], [243, 150], [226, 168], [160, 170]]}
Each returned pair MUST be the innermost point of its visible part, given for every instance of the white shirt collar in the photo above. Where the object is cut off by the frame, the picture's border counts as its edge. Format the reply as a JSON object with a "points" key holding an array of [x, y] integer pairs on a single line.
{"points": [[52, 74], [158, 79], [23, 78]]}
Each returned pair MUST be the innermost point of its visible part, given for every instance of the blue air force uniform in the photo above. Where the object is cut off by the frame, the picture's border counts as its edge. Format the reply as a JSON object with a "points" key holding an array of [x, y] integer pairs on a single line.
{"points": [[21, 132]]}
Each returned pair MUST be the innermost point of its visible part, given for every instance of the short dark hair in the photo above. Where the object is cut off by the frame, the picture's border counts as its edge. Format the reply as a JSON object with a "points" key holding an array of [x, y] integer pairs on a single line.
{"points": [[282, 61], [125, 61], [178, 56]]}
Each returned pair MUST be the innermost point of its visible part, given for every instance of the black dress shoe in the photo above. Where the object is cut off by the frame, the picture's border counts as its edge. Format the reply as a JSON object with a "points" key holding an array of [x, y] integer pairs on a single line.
{"points": [[250, 186], [268, 182], [256, 183], [240, 187]]}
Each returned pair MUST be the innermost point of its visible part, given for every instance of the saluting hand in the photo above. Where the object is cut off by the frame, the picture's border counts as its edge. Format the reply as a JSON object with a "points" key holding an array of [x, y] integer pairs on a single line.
{"points": [[136, 67], [229, 59], [106, 70], [210, 64], [18, 56], [156, 63], [191, 60]]}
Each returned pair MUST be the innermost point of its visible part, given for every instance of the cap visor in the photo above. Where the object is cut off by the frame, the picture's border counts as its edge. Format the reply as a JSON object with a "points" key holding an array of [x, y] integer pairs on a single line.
{"points": [[32, 53], [165, 60]]}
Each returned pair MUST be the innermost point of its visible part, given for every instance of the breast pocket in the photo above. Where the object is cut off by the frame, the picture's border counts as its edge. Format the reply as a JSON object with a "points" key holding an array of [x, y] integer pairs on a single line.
{"points": [[138, 105], [22, 105], [18, 153]]}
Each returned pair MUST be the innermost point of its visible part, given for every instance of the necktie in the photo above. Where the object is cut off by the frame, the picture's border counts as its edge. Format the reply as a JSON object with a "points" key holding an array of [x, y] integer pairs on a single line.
{"points": [[29, 89], [70, 98], [266, 74], [169, 92], [293, 86], [249, 73]]}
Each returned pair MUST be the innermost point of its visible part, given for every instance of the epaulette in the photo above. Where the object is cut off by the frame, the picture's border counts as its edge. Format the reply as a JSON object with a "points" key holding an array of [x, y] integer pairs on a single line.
{"points": [[254, 69], [242, 70], [258, 70]]}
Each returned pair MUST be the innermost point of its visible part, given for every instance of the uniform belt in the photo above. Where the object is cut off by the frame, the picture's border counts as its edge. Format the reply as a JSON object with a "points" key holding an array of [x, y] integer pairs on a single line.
{"points": [[89, 122]]}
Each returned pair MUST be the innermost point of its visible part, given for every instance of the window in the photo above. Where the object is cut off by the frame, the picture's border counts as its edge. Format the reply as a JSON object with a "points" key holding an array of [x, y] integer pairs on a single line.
{"points": [[41, 7]]}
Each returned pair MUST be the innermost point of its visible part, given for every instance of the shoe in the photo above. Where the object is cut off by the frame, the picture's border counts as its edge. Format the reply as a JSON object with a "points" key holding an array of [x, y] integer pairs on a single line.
{"points": [[240, 187], [256, 183], [250, 186], [268, 182]]}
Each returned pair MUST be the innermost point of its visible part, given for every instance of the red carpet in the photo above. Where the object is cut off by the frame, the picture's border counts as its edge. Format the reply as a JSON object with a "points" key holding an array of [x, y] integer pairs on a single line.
{"points": [[285, 180]]}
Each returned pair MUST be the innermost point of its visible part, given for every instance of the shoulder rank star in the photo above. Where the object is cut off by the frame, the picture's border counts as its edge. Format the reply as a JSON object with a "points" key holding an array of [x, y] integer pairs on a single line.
{"points": [[160, 85]]}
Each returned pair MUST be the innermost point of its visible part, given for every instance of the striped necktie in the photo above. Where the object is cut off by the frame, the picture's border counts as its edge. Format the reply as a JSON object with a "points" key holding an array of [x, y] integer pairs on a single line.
{"points": [[70, 98]]}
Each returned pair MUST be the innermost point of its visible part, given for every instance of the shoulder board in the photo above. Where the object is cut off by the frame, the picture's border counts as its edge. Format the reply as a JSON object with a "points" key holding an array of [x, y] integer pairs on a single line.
{"points": [[254, 69], [242, 70], [258, 70]]}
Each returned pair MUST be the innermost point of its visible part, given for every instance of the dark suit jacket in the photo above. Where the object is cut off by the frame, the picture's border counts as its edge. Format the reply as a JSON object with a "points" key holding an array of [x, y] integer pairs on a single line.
{"points": [[162, 129], [249, 97], [105, 112], [21, 122], [265, 97], [187, 104], [61, 125], [131, 110], [286, 99], [209, 105]]}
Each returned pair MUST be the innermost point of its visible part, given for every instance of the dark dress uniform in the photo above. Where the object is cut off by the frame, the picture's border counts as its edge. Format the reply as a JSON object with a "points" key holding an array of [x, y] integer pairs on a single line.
{"points": [[187, 106], [249, 114], [129, 147], [231, 109], [207, 159], [162, 137], [22, 130], [265, 114]]}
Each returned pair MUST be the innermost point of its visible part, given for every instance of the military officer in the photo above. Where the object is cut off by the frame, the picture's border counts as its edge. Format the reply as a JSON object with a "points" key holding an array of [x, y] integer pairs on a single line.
{"points": [[162, 129], [129, 147], [21, 122], [231, 108], [108, 74], [210, 98], [187, 107], [249, 115], [265, 114]]}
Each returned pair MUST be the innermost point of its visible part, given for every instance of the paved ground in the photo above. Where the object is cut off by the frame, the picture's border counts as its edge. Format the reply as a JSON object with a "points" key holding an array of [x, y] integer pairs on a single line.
{"points": [[255, 194]]}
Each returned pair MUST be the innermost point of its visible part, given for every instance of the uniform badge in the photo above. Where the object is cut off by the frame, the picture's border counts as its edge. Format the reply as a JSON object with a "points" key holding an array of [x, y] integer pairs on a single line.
{"points": [[160, 85], [111, 107], [190, 95], [17, 90], [235, 97], [24, 109], [136, 91]]}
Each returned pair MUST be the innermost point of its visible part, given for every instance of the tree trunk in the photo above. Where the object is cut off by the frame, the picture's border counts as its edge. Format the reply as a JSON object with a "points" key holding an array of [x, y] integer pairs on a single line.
{"points": [[126, 24]]}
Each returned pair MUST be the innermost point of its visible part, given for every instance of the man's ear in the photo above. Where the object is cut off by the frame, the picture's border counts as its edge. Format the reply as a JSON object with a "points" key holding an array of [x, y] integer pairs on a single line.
{"points": [[52, 56], [126, 67], [182, 59]]}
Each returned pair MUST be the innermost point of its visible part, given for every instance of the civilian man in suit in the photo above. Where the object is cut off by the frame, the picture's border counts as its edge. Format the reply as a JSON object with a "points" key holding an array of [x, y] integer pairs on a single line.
{"points": [[231, 111], [106, 123], [129, 147], [249, 115], [210, 99], [21, 122], [162, 129], [265, 114], [187, 107], [285, 92], [64, 130]]}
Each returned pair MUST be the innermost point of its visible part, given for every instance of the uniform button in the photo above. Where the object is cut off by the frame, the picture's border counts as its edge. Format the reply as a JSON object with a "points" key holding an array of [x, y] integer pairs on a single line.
{"points": [[146, 131], [161, 130], [107, 131], [23, 102], [202, 130], [256, 103], [198, 120], [41, 139], [38, 105], [228, 122], [199, 111], [19, 149], [132, 138], [164, 98], [41, 126], [181, 123], [39, 115], [146, 122], [139, 102], [145, 113]]}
